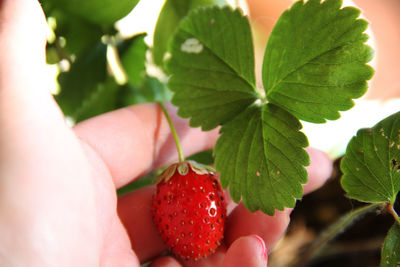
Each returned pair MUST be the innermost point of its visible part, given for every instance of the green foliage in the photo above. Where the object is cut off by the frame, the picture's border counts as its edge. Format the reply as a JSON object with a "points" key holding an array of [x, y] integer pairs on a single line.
{"points": [[371, 167], [314, 63], [150, 90], [78, 34], [102, 12], [390, 255], [133, 57], [204, 157], [215, 82], [87, 89], [81, 81], [261, 157], [171, 14]]}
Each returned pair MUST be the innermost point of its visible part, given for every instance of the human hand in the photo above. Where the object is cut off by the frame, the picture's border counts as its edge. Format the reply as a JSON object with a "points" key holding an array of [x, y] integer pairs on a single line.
{"points": [[58, 202]]}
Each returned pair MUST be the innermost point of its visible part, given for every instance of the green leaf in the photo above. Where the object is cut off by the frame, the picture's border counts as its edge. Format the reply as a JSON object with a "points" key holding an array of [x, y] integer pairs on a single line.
{"points": [[260, 156], [315, 60], [81, 81], [171, 14], [133, 57], [204, 157], [390, 255], [212, 66], [102, 99], [102, 12], [371, 166], [151, 90], [146, 180], [79, 34]]}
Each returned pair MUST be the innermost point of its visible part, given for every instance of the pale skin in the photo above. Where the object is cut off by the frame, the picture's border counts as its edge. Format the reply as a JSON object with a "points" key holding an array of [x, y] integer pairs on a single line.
{"points": [[58, 205]]}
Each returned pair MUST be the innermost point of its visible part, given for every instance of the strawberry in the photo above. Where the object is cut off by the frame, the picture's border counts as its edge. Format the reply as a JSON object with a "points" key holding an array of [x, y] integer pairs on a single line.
{"points": [[189, 210]]}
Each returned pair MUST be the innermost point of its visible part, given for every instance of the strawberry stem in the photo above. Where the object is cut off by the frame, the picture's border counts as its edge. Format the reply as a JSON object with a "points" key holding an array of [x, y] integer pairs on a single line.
{"points": [[173, 131]]}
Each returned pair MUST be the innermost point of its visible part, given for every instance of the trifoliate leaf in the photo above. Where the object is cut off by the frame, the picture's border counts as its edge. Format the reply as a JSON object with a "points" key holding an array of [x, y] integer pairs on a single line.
{"points": [[212, 66], [371, 166], [390, 255], [260, 156], [315, 60], [171, 14]]}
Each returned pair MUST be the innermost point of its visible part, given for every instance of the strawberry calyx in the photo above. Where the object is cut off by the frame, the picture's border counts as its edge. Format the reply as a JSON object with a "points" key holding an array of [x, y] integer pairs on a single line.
{"points": [[183, 169]]}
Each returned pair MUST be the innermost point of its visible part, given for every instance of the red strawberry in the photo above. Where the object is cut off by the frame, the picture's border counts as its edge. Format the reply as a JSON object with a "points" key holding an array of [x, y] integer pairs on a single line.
{"points": [[189, 210]]}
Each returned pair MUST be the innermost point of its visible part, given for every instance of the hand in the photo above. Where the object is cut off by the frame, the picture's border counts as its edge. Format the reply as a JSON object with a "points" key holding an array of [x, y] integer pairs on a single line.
{"points": [[58, 205]]}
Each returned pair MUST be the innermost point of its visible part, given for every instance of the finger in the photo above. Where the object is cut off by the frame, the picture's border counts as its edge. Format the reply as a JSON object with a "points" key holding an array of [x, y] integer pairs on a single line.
{"points": [[319, 170], [116, 250], [212, 260], [246, 251], [242, 222], [134, 140], [23, 31], [29, 118], [165, 261], [134, 209]]}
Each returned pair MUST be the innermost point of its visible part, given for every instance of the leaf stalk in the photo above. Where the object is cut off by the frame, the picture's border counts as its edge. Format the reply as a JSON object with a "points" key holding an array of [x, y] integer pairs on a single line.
{"points": [[391, 210]]}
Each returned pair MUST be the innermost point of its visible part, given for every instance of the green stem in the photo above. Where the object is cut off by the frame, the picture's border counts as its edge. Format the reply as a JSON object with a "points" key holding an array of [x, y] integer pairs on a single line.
{"points": [[391, 210], [174, 133], [334, 230]]}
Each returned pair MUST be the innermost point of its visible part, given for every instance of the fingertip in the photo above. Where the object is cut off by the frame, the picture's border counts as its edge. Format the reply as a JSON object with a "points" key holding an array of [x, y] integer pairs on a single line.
{"points": [[242, 222], [247, 251], [134, 210], [319, 170], [23, 25], [165, 261]]}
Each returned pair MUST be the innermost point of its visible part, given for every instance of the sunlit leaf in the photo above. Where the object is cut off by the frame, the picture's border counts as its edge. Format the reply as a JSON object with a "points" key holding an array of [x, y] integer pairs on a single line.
{"points": [[171, 14], [315, 60], [261, 157], [212, 66], [371, 166]]}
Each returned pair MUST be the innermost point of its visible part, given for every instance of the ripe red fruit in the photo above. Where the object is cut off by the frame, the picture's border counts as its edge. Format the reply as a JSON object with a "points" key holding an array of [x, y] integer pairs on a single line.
{"points": [[189, 210]]}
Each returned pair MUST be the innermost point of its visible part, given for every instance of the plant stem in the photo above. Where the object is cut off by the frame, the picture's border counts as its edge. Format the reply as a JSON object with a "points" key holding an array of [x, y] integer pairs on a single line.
{"points": [[391, 210], [334, 230], [174, 133]]}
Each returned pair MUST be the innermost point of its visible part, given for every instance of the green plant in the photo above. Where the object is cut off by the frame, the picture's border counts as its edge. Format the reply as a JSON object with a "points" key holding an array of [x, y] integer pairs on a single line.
{"points": [[315, 64]]}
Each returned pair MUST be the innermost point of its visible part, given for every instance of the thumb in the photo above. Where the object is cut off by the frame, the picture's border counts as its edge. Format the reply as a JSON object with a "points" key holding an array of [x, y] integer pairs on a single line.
{"points": [[247, 251], [26, 105], [22, 46]]}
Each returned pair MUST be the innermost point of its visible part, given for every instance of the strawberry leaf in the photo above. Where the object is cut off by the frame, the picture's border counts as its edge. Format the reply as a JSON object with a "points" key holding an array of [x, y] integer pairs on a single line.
{"points": [[260, 156], [171, 14], [371, 166], [390, 255], [212, 66], [315, 60]]}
